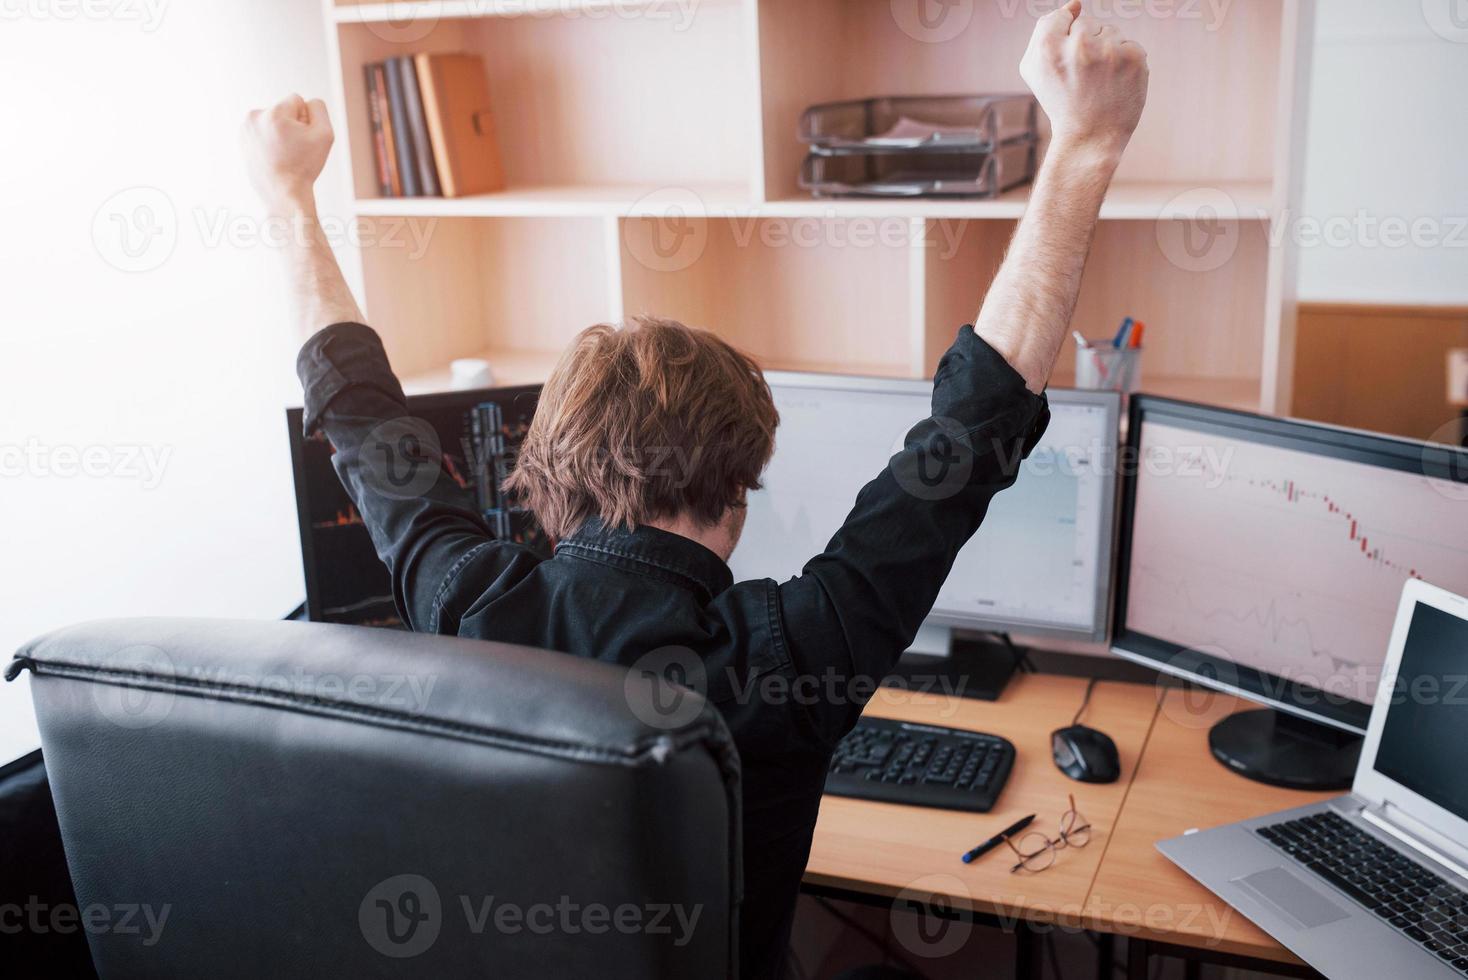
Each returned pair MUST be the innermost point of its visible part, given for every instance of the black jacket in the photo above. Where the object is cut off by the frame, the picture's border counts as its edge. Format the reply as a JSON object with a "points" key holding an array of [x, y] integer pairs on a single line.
{"points": [[789, 664]]}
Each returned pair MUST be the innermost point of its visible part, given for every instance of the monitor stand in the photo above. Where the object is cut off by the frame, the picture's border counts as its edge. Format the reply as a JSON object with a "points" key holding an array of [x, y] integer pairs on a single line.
{"points": [[1282, 749], [936, 663]]}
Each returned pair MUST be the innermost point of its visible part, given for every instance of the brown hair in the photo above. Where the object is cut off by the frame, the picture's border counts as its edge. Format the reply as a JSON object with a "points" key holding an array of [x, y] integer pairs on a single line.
{"points": [[647, 421]]}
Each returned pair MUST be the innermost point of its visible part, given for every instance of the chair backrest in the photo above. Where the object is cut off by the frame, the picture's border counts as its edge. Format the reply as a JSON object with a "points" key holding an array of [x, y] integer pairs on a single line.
{"points": [[262, 799]]}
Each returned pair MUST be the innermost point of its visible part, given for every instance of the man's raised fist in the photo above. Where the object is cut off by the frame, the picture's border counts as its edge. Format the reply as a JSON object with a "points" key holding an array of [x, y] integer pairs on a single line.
{"points": [[1090, 80], [286, 147]]}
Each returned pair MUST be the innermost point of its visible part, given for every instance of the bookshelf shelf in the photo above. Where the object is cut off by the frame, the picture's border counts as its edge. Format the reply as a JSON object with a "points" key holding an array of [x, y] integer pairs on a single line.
{"points": [[516, 367], [1127, 201], [523, 367], [629, 129], [1236, 393], [510, 367], [407, 12], [572, 200]]}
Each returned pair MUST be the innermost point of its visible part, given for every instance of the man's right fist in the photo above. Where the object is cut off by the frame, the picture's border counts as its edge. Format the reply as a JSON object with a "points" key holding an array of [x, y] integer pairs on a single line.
{"points": [[285, 149], [1090, 80]]}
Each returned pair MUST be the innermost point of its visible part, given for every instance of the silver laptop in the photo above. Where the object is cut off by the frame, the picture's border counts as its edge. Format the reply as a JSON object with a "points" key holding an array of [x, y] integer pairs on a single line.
{"points": [[1372, 884]]}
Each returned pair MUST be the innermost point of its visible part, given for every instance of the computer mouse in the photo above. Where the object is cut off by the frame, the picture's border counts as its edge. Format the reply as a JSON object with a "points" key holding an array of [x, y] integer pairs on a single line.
{"points": [[1085, 754]]}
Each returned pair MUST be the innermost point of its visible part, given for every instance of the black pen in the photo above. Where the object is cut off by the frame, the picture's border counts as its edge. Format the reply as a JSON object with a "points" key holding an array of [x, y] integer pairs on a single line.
{"points": [[997, 839]]}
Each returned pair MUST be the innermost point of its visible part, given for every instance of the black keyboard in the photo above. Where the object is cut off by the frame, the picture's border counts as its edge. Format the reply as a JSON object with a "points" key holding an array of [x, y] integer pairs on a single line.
{"points": [[1421, 905], [920, 765]]}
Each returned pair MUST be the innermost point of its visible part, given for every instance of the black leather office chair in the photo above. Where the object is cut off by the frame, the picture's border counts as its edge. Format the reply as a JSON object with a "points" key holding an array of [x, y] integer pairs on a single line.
{"points": [[268, 800]]}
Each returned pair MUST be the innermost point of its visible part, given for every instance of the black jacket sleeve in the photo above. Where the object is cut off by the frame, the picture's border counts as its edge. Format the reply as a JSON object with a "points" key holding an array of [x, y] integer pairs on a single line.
{"points": [[441, 555], [858, 605]]}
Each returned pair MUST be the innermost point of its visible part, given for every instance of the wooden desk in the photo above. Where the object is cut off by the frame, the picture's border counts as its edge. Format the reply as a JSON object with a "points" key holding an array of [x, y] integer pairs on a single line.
{"points": [[888, 850], [1119, 884], [1178, 786]]}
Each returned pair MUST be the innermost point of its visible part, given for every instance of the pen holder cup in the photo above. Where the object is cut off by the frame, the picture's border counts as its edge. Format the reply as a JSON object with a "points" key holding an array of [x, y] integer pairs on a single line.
{"points": [[1108, 368]]}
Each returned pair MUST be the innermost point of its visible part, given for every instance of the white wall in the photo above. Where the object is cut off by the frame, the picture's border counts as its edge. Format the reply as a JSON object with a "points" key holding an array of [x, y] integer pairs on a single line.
{"points": [[190, 360], [1388, 147]]}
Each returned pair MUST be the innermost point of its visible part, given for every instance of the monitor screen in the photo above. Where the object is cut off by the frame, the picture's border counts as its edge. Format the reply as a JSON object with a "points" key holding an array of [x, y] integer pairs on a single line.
{"points": [[1053, 527], [1269, 555], [1422, 745], [478, 434]]}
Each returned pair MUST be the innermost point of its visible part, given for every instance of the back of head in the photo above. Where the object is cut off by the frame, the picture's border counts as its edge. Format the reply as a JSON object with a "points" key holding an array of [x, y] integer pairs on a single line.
{"points": [[649, 421]]}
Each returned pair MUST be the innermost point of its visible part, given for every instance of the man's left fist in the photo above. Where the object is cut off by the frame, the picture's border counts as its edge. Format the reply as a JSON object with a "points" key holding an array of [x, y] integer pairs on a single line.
{"points": [[285, 149]]}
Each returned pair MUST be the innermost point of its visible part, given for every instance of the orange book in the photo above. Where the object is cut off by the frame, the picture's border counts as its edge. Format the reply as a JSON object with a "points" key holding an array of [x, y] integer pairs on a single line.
{"points": [[455, 92]]}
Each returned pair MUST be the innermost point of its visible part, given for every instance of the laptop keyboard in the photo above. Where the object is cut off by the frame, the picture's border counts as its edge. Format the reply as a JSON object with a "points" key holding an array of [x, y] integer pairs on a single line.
{"points": [[1422, 906]]}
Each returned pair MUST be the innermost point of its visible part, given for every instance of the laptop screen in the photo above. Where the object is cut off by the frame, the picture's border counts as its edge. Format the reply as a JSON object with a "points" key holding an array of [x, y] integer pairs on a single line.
{"points": [[1424, 741]]}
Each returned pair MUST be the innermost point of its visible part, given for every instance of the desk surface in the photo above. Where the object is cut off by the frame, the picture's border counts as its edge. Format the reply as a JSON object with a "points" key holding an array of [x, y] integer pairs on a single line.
{"points": [[1179, 786], [891, 850], [1119, 883]]}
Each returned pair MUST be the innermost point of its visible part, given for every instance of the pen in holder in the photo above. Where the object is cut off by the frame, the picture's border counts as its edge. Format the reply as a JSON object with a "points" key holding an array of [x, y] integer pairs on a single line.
{"points": [[1102, 367]]}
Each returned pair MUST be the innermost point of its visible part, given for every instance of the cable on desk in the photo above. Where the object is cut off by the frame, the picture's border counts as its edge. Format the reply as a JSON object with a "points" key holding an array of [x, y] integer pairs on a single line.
{"points": [[1021, 656], [1085, 702]]}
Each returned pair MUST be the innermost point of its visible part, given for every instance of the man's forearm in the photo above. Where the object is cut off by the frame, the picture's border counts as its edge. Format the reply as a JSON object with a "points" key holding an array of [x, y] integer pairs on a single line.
{"points": [[1028, 310], [285, 148], [319, 293]]}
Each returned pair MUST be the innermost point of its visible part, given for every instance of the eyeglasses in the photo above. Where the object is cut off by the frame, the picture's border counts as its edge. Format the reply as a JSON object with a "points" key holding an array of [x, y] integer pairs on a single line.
{"points": [[1036, 851]]}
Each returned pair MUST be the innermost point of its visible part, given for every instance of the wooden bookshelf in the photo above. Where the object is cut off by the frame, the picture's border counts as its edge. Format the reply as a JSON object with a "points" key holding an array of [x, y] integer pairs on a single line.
{"points": [[651, 161], [1126, 201]]}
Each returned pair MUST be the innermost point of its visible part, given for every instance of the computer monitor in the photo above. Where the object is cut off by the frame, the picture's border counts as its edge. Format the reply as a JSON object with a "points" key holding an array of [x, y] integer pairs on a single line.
{"points": [[1265, 557], [478, 434], [1040, 562]]}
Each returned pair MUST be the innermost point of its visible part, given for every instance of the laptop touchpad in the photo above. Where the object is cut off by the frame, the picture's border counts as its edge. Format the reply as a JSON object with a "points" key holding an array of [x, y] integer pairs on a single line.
{"points": [[1291, 897]]}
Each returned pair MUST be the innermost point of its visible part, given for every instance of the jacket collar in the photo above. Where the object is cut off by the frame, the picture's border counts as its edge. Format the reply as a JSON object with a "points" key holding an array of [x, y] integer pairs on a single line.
{"points": [[650, 551]]}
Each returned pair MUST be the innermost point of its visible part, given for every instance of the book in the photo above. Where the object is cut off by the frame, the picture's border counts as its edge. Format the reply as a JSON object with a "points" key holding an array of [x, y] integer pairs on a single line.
{"points": [[455, 95], [375, 114], [390, 139], [402, 133], [422, 149]]}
